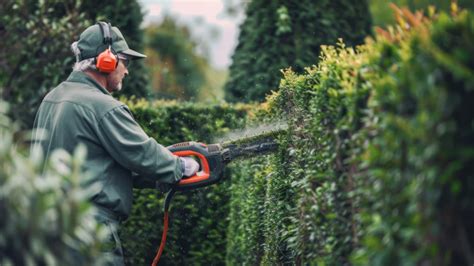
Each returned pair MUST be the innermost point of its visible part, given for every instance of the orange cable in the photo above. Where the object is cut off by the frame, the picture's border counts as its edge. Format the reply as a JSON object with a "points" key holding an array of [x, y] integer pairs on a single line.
{"points": [[168, 198], [163, 240]]}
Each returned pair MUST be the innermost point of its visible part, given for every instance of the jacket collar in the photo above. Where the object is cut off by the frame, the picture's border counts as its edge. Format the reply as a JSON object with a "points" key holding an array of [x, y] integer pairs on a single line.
{"points": [[81, 77]]}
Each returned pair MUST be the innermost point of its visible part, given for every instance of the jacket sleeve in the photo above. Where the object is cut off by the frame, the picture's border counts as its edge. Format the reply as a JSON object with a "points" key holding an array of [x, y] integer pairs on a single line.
{"points": [[130, 146]]}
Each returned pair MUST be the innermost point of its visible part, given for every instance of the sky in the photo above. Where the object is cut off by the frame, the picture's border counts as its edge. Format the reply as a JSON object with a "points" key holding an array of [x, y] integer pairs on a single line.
{"points": [[208, 23]]}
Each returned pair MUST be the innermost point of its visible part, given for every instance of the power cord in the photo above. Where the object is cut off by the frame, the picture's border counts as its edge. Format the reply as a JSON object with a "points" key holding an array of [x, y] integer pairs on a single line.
{"points": [[168, 198]]}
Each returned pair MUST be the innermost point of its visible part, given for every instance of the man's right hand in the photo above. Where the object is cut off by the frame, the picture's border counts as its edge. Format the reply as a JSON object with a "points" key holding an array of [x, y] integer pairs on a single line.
{"points": [[190, 166]]}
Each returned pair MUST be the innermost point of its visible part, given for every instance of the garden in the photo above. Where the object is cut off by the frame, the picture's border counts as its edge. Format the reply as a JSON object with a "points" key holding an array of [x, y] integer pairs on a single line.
{"points": [[374, 166]]}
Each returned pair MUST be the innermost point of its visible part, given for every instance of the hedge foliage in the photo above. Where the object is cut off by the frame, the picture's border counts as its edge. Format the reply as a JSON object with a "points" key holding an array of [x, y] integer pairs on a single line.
{"points": [[46, 216], [198, 219], [377, 165]]}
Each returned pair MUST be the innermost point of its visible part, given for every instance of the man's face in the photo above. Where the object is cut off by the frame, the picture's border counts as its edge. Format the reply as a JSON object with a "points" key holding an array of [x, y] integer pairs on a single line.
{"points": [[114, 79]]}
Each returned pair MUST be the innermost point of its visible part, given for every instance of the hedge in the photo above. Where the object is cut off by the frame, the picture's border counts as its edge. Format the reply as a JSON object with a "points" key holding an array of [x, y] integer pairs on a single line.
{"points": [[377, 165], [198, 219]]}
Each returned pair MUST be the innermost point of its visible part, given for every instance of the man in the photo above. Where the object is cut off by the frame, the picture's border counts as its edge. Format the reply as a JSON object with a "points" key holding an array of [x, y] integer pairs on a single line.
{"points": [[81, 110]]}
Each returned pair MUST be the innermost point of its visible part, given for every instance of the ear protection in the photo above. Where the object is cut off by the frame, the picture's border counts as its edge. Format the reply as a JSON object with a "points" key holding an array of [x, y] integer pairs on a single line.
{"points": [[106, 62]]}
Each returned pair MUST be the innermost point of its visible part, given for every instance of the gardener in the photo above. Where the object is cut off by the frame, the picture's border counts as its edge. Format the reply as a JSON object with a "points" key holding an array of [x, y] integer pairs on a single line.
{"points": [[81, 110]]}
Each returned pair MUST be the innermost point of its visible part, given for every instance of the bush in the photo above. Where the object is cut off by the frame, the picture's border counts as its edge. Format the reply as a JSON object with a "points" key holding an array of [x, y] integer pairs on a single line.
{"points": [[46, 217], [376, 166], [419, 158], [198, 219]]}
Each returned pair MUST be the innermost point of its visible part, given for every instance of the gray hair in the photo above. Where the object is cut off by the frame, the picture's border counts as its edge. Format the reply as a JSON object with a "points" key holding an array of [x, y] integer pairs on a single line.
{"points": [[82, 65]]}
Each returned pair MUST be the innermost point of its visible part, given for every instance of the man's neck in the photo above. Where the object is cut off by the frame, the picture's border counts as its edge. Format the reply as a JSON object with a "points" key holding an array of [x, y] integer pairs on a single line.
{"points": [[98, 77]]}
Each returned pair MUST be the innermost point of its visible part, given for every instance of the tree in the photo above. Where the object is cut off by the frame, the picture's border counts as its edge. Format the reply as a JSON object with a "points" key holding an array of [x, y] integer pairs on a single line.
{"points": [[177, 71], [280, 34]]}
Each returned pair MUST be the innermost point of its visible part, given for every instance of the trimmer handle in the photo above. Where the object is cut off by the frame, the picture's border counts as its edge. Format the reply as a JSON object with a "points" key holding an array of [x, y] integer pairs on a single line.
{"points": [[210, 159]]}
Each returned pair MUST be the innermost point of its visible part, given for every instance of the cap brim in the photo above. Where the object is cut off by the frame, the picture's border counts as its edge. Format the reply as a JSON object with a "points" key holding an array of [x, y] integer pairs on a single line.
{"points": [[133, 54]]}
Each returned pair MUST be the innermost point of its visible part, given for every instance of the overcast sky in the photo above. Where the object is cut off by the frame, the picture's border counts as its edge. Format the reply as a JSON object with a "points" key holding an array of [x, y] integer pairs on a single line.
{"points": [[207, 20]]}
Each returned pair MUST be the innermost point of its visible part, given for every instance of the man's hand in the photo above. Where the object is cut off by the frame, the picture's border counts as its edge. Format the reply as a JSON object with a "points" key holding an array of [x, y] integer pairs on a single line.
{"points": [[190, 166]]}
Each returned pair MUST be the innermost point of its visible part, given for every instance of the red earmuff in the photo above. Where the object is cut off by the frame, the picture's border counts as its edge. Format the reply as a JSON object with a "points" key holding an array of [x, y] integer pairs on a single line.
{"points": [[106, 61]]}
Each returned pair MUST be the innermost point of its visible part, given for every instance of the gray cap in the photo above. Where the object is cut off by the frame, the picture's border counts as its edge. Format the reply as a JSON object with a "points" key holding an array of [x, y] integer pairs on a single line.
{"points": [[91, 43]]}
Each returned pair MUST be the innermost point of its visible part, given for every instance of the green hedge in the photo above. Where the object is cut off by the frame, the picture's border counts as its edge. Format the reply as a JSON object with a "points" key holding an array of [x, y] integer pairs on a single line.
{"points": [[198, 219], [377, 165]]}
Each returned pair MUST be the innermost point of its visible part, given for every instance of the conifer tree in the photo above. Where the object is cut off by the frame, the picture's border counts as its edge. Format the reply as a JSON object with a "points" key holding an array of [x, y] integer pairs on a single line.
{"points": [[288, 33], [177, 71]]}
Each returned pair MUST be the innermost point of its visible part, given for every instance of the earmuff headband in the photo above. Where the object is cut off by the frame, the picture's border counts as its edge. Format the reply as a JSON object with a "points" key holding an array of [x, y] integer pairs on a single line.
{"points": [[106, 30], [106, 61]]}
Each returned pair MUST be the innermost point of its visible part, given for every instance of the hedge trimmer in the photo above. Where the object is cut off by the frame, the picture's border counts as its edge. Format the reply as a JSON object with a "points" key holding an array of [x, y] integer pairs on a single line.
{"points": [[213, 158]]}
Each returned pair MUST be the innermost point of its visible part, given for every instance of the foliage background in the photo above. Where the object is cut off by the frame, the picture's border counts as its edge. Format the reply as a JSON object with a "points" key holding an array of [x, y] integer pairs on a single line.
{"points": [[281, 34], [383, 14], [176, 71], [30, 63]]}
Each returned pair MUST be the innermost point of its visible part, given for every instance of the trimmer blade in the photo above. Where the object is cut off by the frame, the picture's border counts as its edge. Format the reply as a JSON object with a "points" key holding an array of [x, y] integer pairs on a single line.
{"points": [[253, 148]]}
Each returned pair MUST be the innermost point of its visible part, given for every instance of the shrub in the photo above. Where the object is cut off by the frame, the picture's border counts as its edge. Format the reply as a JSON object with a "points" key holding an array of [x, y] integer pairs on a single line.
{"points": [[46, 216], [419, 158]]}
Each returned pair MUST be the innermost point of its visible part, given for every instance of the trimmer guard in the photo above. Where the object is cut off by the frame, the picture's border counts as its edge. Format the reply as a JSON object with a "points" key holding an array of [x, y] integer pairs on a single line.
{"points": [[211, 161]]}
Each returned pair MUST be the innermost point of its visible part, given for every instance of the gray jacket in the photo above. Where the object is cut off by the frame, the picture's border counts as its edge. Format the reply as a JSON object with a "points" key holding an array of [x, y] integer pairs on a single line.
{"points": [[79, 110]]}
